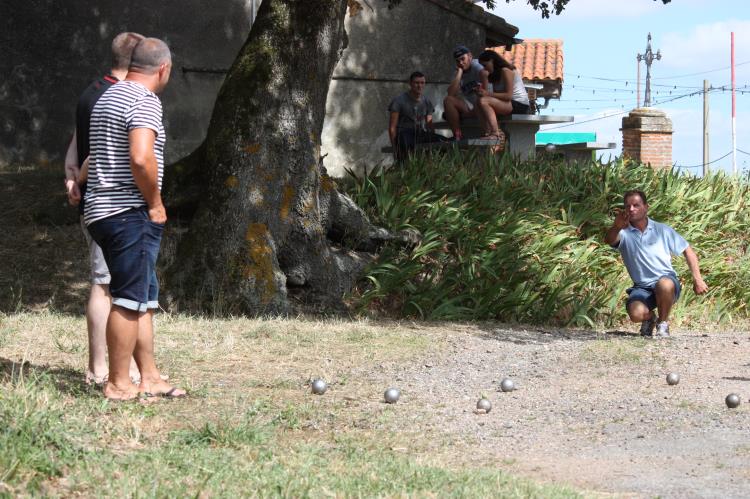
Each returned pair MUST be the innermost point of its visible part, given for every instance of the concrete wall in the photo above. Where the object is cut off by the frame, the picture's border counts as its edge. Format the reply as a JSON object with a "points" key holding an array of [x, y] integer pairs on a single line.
{"points": [[52, 49], [387, 45]]}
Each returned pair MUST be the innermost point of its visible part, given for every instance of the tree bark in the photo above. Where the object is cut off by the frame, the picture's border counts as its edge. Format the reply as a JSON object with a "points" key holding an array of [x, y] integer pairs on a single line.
{"points": [[258, 201]]}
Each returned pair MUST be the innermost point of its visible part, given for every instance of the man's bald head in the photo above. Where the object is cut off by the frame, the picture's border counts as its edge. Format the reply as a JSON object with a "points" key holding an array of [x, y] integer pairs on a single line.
{"points": [[122, 49], [149, 55]]}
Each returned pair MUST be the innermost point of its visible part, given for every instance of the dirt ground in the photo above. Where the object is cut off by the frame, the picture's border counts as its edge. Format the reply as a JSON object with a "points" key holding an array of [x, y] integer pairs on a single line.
{"points": [[592, 408]]}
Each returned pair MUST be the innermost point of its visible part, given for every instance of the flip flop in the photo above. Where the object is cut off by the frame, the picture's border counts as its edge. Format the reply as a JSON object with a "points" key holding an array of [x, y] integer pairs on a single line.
{"points": [[168, 394]]}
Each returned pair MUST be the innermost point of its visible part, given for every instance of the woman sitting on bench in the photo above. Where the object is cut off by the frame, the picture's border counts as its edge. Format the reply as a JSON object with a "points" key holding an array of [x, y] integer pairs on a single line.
{"points": [[505, 94]]}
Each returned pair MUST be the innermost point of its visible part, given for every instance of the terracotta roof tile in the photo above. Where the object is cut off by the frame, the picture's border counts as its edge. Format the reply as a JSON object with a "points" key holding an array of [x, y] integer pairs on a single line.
{"points": [[537, 59]]}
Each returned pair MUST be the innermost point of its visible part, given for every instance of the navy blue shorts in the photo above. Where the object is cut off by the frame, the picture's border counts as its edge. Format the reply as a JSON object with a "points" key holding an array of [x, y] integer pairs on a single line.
{"points": [[648, 296], [130, 243]]}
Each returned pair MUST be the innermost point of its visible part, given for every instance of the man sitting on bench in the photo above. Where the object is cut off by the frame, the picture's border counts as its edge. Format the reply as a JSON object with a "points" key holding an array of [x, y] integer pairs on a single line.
{"points": [[411, 118], [462, 97]]}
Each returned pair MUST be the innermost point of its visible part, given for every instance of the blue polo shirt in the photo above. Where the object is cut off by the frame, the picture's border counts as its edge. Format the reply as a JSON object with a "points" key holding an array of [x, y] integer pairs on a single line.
{"points": [[648, 255]]}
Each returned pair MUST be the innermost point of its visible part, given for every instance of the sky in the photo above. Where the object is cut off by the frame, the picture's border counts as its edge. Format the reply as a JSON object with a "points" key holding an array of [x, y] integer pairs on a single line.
{"points": [[601, 40]]}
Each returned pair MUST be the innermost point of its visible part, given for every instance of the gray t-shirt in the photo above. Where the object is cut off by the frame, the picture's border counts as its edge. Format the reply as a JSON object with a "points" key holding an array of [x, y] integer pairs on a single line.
{"points": [[470, 81], [411, 113]]}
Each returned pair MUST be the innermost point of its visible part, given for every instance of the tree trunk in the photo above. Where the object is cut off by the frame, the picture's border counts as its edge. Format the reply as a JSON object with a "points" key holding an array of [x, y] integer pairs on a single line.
{"points": [[258, 200]]}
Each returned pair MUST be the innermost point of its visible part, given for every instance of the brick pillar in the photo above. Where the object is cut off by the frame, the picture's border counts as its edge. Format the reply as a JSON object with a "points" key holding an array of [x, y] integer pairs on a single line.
{"points": [[647, 137]]}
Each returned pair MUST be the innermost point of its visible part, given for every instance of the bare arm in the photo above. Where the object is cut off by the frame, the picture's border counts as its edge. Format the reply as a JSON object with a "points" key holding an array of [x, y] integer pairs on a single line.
{"points": [[508, 81], [83, 176], [72, 172], [622, 220], [699, 286], [146, 171], [428, 122], [455, 86], [392, 127]]}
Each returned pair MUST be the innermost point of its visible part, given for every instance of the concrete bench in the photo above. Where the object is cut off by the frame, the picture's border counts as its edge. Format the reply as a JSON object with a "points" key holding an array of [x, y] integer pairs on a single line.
{"points": [[520, 130], [453, 144], [578, 151]]}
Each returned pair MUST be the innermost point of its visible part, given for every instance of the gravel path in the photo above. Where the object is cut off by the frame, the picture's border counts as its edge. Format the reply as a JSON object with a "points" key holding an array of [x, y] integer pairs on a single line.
{"points": [[591, 409]]}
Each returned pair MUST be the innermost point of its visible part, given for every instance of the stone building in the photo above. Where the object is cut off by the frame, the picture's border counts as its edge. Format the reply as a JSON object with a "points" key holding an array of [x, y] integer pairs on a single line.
{"points": [[53, 49]]}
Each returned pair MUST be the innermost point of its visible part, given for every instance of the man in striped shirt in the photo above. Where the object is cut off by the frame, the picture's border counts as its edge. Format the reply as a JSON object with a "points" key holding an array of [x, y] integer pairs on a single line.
{"points": [[125, 215], [99, 302]]}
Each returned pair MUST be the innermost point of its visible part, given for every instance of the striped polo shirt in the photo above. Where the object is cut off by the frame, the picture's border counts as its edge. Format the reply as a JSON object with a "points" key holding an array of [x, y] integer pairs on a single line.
{"points": [[125, 106]]}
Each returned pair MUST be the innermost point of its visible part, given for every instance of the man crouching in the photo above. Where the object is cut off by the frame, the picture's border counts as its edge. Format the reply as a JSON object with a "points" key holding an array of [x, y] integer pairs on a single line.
{"points": [[647, 247]]}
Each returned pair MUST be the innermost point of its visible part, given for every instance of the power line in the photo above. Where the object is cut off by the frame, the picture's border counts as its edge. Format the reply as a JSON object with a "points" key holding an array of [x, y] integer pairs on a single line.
{"points": [[630, 80], [710, 162], [691, 94]]}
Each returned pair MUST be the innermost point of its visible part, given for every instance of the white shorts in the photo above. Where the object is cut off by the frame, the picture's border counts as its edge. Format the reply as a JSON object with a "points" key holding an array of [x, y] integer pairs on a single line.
{"points": [[99, 269]]}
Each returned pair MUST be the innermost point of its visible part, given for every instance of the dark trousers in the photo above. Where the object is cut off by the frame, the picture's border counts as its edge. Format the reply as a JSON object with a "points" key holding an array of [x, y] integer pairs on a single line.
{"points": [[406, 141]]}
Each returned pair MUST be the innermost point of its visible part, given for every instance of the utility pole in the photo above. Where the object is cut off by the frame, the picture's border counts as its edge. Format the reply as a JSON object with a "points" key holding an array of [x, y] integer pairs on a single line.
{"points": [[734, 117], [648, 57], [638, 83], [705, 128]]}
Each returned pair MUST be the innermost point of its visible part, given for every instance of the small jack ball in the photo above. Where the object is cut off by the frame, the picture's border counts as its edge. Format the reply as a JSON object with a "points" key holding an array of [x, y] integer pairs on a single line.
{"points": [[392, 395], [507, 385], [484, 405], [319, 387], [732, 400], [673, 378]]}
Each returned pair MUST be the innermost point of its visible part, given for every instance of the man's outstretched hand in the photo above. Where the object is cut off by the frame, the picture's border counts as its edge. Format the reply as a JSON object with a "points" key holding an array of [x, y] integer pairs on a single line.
{"points": [[699, 286]]}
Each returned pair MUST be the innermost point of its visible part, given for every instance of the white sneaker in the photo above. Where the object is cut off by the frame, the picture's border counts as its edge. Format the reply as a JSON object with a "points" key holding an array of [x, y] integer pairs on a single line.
{"points": [[662, 330], [647, 327]]}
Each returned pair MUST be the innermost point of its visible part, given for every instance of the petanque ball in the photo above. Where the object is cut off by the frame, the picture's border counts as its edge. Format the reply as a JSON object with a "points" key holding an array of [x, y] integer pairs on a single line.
{"points": [[319, 387], [732, 400], [484, 405], [550, 148], [391, 395], [507, 385], [673, 378]]}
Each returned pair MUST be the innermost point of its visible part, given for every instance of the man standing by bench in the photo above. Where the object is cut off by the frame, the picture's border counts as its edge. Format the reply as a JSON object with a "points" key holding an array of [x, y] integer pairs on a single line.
{"points": [[411, 118], [647, 247]]}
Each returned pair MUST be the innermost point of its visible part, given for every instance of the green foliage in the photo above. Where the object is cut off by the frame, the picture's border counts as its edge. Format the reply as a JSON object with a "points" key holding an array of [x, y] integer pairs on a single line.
{"points": [[523, 241]]}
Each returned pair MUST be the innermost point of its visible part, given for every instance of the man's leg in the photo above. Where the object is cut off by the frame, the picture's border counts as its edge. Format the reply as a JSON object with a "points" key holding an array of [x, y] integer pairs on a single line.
{"points": [[640, 306], [405, 142], [665, 297], [454, 108], [122, 334], [97, 312], [151, 380], [639, 312]]}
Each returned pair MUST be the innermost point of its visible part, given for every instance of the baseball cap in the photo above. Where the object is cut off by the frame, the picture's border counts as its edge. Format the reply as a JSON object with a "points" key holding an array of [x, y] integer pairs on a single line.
{"points": [[459, 51]]}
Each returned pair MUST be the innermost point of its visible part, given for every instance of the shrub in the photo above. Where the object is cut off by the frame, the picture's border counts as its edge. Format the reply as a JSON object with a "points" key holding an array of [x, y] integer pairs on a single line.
{"points": [[523, 240]]}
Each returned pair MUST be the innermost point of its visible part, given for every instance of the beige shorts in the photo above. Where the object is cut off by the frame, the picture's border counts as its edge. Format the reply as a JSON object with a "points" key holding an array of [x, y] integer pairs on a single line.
{"points": [[99, 269]]}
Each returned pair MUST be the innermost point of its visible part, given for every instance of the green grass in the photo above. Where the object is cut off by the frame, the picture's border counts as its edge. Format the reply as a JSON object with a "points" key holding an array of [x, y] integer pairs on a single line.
{"points": [[62, 446], [523, 241]]}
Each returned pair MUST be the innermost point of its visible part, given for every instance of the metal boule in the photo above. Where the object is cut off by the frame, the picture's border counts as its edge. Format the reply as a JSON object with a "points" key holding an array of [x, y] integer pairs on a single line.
{"points": [[732, 400], [484, 405], [550, 147], [673, 378], [392, 395], [319, 386], [507, 385]]}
